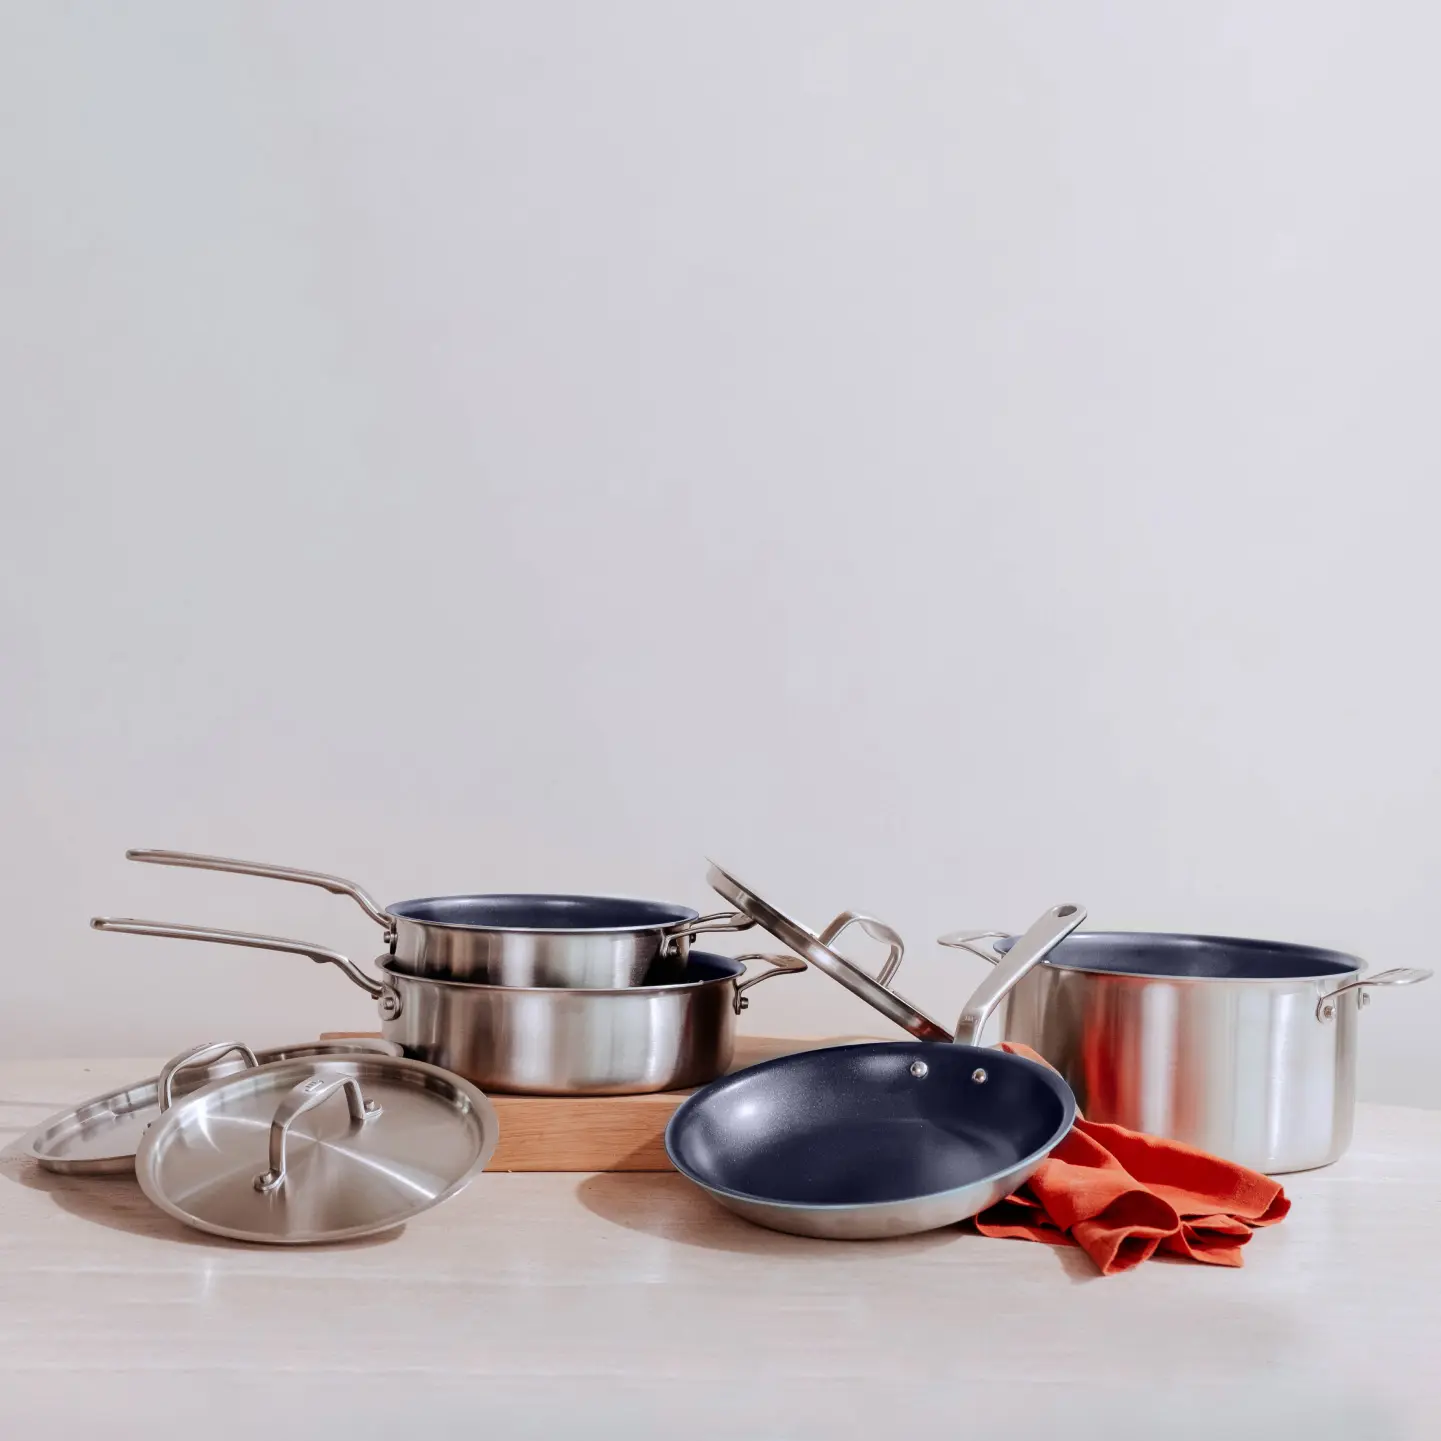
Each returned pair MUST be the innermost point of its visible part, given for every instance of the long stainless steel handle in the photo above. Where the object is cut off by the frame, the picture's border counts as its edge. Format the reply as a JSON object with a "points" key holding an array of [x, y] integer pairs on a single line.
{"points": [[306, 1097], [336, 885], [320, 954], [1400, 976], [779, 966], [877, 930], [1045, 934], [209, 1051]]}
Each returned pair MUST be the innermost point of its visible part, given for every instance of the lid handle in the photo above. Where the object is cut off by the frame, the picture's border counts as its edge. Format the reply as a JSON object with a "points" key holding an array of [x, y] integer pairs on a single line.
{"points": [[207, 1051], [336, 885], [877, 930], [1045, 934], [306, 1097]]}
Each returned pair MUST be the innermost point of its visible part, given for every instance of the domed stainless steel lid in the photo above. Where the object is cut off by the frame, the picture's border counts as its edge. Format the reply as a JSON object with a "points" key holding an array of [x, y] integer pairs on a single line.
{"points": [[99, 1136], [306, 1151]]}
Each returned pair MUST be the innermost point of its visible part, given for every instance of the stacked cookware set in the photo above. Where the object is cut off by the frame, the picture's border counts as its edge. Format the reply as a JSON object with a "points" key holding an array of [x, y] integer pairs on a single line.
{"points": [[1243, 1048]]}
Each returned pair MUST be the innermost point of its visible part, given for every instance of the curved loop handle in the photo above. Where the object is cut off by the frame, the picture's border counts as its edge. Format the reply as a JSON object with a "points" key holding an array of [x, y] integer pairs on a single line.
{"points": [[209, 1051], [336, 885], [877, 930], [1045, 934], [677, 938], [319, 954], [978, 943], [779, 966], [1400, 976], [306, 1097]]}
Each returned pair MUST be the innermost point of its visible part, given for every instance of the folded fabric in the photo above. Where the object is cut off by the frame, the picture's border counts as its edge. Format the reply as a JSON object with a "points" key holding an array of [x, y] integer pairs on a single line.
{"points": [[1121, 1196]]}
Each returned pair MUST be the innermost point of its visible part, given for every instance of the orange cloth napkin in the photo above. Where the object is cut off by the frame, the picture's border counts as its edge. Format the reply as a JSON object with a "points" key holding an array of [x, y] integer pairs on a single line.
{"points": [[1121, 1196]]}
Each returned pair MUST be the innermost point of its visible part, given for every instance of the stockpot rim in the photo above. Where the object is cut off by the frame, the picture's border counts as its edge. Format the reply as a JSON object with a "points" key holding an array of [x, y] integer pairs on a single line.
{"points": [[732, 970], [1339, 964]]}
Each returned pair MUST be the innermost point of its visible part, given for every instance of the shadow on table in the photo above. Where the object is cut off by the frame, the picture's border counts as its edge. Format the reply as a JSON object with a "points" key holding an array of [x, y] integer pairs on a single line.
{"points": [[118, 1203], [661, 1204]]}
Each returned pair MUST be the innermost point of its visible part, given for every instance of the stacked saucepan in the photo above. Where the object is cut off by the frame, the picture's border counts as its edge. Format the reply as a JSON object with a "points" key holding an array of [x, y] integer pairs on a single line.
{"points": [[551, 995]]}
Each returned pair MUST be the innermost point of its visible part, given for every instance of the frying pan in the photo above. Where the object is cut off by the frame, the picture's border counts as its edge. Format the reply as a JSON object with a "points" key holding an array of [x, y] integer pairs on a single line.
{"points": [[881, 1139]]}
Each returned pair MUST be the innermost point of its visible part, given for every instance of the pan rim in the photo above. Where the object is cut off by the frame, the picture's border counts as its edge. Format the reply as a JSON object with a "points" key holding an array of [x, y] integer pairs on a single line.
{"points": [[384, 963], [683, 914], [1054, 1081]]}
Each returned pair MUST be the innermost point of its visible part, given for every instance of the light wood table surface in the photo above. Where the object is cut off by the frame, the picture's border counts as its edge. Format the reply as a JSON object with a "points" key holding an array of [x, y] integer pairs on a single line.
{"points": [[628, 1305]]}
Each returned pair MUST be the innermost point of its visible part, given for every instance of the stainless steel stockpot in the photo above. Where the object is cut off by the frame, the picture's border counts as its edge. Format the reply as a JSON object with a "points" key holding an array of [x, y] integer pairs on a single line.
{"points": [[541, 1040], [1244, 1048], [511, 940]]}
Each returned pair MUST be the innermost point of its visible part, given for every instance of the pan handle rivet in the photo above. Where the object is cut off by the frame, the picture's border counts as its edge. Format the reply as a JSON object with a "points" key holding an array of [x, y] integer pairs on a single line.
{"points": [[979, 1075], [919, 1069]]}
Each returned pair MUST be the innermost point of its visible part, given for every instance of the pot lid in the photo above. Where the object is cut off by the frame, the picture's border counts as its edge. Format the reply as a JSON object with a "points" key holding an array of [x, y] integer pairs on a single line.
{"points": [[313, 1150], [100, 1136], [820, 952]]}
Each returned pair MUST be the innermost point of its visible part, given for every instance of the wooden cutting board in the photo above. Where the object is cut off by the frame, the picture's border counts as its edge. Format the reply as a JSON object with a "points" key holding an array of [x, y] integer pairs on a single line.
{"points": [[605, 1133]]}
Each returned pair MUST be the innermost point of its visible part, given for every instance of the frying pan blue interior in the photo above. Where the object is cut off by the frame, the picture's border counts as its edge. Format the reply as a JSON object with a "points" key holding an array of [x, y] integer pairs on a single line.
{"points": [[542, 913], [1221, 958], [854, 1126]]}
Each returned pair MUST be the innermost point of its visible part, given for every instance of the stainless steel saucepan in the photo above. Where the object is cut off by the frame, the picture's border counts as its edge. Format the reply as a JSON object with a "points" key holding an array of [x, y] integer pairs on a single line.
{"points": [[541, 1040], [511, 940], [1244, 1048]]}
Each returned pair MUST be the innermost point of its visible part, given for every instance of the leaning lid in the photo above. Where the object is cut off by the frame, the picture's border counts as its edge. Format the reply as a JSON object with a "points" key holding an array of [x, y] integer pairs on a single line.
{"points": [[100, 1136], [818, 949], [1046, 932], [305, 1151]]}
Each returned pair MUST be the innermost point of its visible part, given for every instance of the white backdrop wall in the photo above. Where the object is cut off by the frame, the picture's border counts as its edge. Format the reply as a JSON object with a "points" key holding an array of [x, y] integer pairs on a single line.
{"points": [[941, 459]]}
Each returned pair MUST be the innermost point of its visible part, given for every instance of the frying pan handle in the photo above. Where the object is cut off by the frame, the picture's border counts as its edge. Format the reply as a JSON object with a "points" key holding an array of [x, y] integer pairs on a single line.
{"points": [[209, 1051], [306, 1097], [779, 966], [319, 954], [336, 885], [1045, 934], [1401, 976], [877, 930]]}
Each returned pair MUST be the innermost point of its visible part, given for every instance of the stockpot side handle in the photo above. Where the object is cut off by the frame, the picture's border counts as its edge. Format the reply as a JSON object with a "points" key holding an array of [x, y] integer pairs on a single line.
{"points": [[1044, 935], [1401, 976], [877, 930], [978, 943], [336, 885], [780, 965], [198, 1055], [319, 954], [306, 1097]]}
